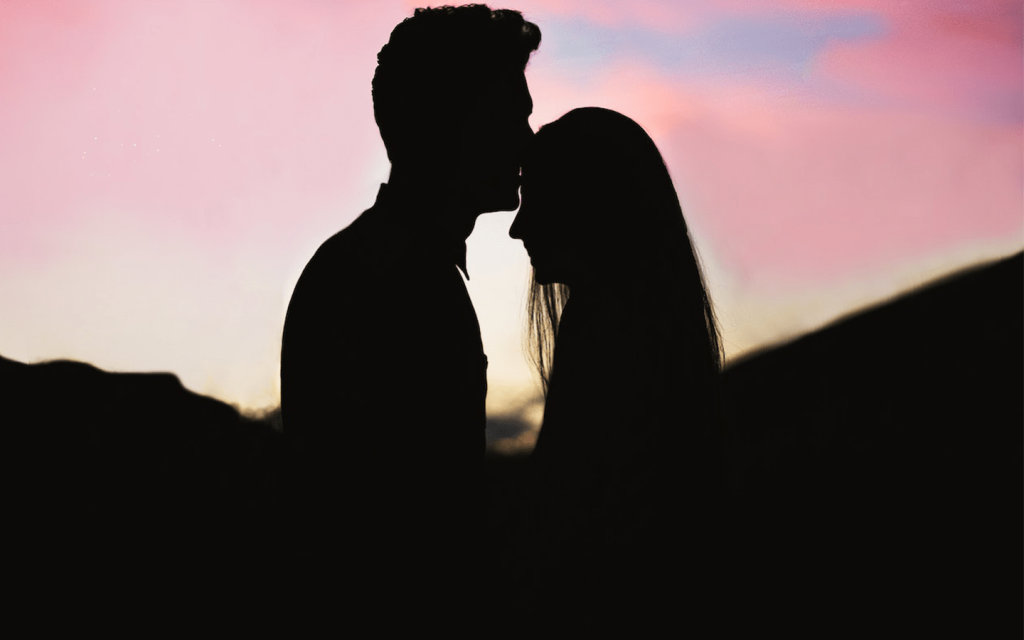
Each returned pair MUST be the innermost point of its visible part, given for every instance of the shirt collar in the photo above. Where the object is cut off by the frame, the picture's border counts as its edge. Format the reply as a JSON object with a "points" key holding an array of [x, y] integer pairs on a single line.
{"points": [[413, 215]]}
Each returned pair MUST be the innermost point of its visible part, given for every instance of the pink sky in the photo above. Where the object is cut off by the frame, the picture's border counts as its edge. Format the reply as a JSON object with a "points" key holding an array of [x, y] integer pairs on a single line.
{"points": [[169, 166]]}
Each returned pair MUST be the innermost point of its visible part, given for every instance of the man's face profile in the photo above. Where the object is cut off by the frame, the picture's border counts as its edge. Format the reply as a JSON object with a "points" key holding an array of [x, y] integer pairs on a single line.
{"points": [[494, 136]]}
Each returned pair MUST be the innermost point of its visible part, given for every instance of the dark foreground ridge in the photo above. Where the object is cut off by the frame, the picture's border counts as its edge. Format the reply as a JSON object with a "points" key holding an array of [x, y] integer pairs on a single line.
{"points": [[131, 492], [882, 458], [879, 473]]}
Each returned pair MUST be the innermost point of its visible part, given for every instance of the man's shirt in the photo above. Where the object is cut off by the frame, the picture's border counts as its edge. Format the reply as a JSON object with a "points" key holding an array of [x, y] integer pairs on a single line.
{"points": [[383, 379]]}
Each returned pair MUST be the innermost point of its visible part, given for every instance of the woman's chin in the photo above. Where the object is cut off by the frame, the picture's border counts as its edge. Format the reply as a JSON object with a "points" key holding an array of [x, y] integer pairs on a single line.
{"points": [[542, 276]]}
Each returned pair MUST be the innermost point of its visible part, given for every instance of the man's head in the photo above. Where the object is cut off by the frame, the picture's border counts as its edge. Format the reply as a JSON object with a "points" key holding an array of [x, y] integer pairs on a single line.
{"points": [[450, 99]]}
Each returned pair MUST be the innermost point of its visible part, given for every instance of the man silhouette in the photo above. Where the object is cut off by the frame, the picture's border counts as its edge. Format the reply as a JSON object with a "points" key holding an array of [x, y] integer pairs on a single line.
{"points": [[383, 375]]}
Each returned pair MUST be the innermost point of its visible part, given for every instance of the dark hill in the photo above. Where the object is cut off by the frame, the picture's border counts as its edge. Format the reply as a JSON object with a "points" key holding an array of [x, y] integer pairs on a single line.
{"points": [[882, 456], [134, 478]]}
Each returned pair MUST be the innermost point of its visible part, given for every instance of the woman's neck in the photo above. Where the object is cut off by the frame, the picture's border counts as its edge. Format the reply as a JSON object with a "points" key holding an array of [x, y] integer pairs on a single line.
{"points": [[602, 294], [595, 308]]}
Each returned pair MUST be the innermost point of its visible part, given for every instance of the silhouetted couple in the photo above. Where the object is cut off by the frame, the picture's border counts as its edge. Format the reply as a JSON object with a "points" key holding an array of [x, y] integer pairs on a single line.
{"points": [[384, 376]]}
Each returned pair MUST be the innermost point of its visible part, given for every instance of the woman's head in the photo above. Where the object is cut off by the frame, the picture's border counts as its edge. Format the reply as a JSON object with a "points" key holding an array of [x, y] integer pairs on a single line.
{"points": [[597, 201], [599, 210]]}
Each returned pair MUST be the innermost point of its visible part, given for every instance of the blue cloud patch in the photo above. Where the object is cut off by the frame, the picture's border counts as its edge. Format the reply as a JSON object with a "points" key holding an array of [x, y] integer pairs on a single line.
{"points": [[780, 43]]}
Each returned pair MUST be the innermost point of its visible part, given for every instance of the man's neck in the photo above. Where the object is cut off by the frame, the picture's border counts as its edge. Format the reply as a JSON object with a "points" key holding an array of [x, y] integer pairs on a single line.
{"points": [[436, 220], [435, 201]]}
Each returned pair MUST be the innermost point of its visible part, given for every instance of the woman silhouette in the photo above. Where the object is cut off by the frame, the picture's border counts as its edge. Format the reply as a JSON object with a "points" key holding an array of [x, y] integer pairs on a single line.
{"points": [[630, 462]]}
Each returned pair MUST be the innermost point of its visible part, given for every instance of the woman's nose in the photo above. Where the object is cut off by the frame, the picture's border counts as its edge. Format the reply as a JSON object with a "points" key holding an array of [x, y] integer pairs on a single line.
{"points": [[521, 226], [516, 230]]}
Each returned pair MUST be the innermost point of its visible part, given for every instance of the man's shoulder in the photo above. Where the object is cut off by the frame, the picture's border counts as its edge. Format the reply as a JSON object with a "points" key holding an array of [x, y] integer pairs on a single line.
{"points": [[334, 265], [350, 246], [366, 247], [361, 260], [347, 254]]}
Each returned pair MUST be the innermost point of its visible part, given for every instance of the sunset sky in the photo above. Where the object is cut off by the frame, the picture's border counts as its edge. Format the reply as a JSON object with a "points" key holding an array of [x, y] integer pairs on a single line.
{"points": [[167, 167]]}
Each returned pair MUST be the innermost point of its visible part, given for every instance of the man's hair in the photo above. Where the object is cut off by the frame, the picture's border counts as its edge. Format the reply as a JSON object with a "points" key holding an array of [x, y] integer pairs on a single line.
{"points": [[437, 63]]}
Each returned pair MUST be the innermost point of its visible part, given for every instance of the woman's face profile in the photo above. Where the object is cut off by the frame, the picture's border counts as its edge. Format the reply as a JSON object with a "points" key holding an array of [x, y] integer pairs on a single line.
{"points": [[549, 224]]}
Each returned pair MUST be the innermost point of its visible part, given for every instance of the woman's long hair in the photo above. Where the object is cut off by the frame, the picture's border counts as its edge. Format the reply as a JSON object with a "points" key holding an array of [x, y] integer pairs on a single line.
{"points": [[629, 211]]}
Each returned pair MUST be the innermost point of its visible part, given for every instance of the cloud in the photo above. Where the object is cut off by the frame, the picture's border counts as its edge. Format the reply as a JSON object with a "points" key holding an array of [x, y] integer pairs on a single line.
{"points": [[782, 44], [965, 57], [824, 194], [967, 65]]}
